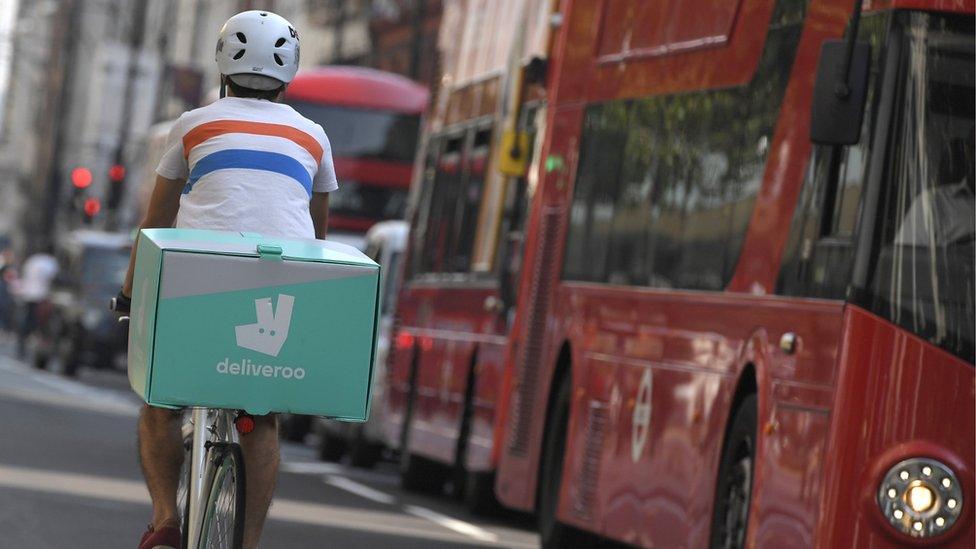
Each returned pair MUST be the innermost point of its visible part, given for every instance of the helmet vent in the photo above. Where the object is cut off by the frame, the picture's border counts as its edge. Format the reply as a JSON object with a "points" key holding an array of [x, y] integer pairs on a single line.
{"points": [[278, 60], [280, 42], [263, 14], [242, 38], [238, 55]]}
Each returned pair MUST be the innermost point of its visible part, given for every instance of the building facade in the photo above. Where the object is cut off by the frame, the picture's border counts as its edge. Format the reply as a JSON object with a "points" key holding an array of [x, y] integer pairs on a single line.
{"points": [[89, 79]]}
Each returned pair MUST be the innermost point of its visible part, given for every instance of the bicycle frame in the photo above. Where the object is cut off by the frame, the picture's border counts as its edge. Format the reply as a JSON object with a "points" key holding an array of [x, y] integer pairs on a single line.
{"points": [[221, 429]]}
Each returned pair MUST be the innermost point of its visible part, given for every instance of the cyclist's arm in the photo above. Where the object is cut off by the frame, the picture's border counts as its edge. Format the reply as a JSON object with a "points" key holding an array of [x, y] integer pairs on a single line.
{"points": [[319, 208], [161, 213]]}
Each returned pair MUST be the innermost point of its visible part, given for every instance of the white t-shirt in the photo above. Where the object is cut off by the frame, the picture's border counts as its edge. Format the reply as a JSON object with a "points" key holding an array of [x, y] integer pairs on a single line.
{"points": [[251, 165], [35, 281], [939, 216]]}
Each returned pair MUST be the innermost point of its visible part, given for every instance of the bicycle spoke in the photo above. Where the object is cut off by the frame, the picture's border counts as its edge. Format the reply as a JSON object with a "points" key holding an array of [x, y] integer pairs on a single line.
{"points": [[221, 514]]}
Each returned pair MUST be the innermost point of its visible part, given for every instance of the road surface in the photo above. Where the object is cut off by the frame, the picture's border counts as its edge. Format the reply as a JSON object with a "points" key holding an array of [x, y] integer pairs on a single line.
{"points": [[69, 478]]}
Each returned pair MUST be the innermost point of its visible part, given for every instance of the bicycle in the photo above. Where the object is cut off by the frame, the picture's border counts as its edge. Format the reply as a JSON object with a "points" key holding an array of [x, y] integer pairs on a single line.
{"points": [[211, 493]]}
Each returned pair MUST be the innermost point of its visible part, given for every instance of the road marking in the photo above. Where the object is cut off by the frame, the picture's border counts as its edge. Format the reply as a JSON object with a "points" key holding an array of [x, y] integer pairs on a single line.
{"points": [[360, 490], [452, 523], [40, 480], [59, 400], [310, 468], [305, 512], [320, 468], [83, 397]]}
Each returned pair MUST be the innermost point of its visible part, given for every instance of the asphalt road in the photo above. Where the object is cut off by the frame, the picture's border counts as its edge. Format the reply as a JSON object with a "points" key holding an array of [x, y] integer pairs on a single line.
{"points": [[69, 478]]}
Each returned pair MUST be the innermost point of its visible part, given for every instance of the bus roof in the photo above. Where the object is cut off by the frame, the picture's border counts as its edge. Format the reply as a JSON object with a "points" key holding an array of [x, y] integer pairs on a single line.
{"points": [[358, 87]]}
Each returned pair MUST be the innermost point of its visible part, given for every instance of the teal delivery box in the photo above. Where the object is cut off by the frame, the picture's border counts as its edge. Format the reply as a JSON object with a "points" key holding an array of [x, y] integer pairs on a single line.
{"points": [[235, 320]]}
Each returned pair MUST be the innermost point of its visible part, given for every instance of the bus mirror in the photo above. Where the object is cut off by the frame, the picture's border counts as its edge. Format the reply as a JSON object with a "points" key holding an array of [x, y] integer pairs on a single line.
{"points": [[513, 157], [838, 101]]}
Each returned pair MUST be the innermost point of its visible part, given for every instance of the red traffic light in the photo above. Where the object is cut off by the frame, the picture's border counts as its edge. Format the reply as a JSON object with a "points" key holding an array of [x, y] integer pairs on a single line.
{"points": [[116, 173], [81, 178], [92, 207]]}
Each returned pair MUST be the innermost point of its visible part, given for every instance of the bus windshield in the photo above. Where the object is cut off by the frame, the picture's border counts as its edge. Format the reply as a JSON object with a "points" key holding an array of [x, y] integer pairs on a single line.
{"points": [[365, 133], [923, 275]]}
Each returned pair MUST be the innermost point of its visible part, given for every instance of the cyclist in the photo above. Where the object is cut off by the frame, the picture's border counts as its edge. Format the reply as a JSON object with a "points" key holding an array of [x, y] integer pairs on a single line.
{"points": [[246, 162]]}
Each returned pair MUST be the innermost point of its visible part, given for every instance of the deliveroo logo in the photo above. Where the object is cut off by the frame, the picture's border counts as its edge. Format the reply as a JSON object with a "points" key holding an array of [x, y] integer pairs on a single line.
{"points": [[269, 333]]}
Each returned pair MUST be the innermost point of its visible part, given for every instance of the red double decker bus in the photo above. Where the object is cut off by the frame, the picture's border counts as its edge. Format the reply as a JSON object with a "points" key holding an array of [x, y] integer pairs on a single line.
{"points": [[726, 335], [444, 374], [373, 122]]}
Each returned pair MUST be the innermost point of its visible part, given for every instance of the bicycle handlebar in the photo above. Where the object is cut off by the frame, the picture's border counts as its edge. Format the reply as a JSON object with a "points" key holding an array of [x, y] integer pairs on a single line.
{"points": [[120, 303]]}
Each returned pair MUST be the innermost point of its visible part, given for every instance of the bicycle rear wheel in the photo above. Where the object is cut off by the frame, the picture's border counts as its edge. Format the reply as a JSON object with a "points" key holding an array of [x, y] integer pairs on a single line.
{"points": [[183, 490], [223, 513]]}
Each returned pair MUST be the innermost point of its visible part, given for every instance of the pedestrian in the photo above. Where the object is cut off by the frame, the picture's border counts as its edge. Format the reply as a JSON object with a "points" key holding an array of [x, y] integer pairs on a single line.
{"points": [[8, 278], [246, 162], [34, 289]]}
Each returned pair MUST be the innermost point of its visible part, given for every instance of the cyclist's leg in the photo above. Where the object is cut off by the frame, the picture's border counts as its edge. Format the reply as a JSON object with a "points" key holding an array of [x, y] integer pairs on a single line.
{"points": [[260, 448], [161, 456]]}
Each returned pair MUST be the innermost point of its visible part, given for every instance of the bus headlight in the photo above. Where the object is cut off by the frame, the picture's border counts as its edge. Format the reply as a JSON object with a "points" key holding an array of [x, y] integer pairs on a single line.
{"points": [[920, 497]]}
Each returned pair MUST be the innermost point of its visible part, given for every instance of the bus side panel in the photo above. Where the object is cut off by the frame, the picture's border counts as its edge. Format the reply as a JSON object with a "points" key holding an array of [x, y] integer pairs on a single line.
{"points": [[487, 394], [399, 370], [449, 324], [790, 469], [896, 395], [655, 374], [532, 353]]}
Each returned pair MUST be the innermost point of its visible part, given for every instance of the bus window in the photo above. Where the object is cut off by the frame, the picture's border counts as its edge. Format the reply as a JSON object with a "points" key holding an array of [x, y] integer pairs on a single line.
{"points": [[469, 200], [819, 253], [365, 133], [437, 225], [666, 184], [922, 271]]}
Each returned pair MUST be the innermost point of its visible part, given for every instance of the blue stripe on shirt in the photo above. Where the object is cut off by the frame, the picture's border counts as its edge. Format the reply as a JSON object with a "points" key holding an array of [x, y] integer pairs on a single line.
{"points": [[250, 160]]}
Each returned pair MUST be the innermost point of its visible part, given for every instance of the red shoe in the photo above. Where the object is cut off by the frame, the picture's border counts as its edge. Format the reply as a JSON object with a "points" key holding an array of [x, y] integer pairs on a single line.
{"points": [[166, 537]]}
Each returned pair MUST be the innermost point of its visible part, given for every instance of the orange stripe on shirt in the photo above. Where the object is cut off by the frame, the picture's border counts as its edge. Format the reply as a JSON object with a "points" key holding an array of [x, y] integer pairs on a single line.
{"points": [[210, 130]]}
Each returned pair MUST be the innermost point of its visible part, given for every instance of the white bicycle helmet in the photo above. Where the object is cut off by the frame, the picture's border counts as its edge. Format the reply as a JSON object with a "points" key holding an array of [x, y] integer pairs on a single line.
{"points": [[258, 50]]}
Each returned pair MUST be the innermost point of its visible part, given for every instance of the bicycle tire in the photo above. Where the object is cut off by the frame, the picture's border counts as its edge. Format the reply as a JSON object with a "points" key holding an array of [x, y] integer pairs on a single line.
{"points": [[183, 490], [225, 463]]}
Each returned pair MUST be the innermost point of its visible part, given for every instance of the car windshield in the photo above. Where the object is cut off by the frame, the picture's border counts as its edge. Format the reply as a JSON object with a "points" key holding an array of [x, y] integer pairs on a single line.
{"points": [[104, 268], [363, 133], [923, 273]]}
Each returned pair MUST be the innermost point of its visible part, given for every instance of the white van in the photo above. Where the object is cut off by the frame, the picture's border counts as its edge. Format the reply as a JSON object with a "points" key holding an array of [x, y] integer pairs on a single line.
{"points": [[385, 244]]}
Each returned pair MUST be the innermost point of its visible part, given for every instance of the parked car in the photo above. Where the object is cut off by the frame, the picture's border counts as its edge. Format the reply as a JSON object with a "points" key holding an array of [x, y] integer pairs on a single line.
{"points": [[385, 243], [86, 332]]}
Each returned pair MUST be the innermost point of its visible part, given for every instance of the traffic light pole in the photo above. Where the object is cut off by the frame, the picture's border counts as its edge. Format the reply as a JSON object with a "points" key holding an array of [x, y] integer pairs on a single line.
{"points": [[417, 41], [40, 226], [116, 189]]}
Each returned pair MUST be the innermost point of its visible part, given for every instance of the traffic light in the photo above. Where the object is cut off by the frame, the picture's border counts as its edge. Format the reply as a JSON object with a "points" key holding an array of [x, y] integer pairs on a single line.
{"points": [[81, 177], [92, 207], [116, 174]]}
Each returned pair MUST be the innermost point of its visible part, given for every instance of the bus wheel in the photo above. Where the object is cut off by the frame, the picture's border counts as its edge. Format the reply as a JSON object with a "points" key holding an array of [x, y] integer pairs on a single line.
{"points": [[364, 453], [733, 492], [554, 533], [419, 474], [479, 494], [331, 447], [294, 427]]}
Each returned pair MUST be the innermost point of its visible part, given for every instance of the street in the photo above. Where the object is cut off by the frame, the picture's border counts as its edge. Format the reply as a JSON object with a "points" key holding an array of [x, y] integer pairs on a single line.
{"points": [[69, 477]]}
